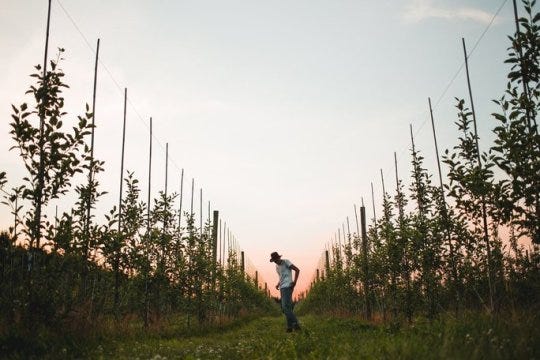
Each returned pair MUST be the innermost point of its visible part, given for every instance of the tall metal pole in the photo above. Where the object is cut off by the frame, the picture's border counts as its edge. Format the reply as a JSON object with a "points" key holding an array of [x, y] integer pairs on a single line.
{"points": [[149, 206], [225, 242], [16, 213], [356, 218], [382, 181], [117, 250], [484, 211], [373, 204], [220, 258], [41, 171], [192, 193], [181, 197], [441, 185], [201, 213], [404, 242], [122, 165], [149, 199], [166, 202], [166, 167], [344, 238], [349, 230], [339, 242], [393, 280], [91, 170], [397, 176], [445, 209]]}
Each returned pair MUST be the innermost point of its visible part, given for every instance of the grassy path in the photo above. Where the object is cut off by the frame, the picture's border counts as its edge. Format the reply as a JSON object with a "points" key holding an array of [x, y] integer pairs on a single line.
{"points": [[331, 338]]}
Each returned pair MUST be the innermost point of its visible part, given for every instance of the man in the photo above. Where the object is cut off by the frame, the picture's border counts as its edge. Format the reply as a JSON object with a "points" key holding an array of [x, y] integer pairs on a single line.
{"points": [[286, 286]]}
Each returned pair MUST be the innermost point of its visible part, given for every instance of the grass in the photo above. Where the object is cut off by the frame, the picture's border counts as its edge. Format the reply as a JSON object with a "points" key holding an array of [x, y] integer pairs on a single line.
{"points": [[472, 337]]}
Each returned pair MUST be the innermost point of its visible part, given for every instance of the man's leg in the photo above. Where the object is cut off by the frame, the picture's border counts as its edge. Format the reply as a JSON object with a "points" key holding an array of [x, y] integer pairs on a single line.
{"points": [[287, 307]]}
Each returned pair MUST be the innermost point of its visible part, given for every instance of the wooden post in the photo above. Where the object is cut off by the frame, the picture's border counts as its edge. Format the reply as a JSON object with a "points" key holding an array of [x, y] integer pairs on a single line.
{"points": [[166, 182], [484, 211], [365, 247], [242, 262], [327, 262], [215, 223], [318, 275]]}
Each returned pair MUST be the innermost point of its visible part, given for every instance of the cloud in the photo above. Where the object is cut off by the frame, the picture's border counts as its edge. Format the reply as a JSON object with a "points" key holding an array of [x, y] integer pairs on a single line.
{"points": [[418, 10]]}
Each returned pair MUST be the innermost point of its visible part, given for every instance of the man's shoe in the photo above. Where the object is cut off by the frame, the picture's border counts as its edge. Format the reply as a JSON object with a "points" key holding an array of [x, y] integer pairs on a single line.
{"points": [[296, 327], [289, 329]]}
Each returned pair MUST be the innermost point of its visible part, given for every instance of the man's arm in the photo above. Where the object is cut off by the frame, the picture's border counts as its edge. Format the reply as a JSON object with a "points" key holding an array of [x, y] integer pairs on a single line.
{"points": [[296, 273]]}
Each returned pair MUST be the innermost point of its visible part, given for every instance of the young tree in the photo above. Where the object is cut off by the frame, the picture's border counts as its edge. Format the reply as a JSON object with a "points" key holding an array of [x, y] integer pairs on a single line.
{"points": [[58, 153], [517, 143]]}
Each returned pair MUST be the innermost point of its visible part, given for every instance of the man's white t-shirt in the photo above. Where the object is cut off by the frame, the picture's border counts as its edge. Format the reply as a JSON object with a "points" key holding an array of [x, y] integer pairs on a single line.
{"points": [[285, 273]]}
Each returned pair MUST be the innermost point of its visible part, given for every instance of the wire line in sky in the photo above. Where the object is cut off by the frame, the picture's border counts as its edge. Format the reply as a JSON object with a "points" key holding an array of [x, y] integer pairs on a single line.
{"points": [[453, 79], [120, 88], [416, 130], [460, 69]]}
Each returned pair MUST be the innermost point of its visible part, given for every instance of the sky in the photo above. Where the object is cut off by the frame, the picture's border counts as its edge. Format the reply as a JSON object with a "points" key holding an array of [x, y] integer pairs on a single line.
{"points": [[283, 112]]}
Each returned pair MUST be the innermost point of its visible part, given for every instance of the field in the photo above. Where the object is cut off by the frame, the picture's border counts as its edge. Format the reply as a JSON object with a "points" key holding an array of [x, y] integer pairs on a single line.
{"points": [[447, 267], [472, 337]]}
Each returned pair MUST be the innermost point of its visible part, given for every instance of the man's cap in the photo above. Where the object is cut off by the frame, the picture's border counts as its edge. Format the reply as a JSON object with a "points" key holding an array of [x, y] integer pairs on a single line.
{"points": [[274, 256]]}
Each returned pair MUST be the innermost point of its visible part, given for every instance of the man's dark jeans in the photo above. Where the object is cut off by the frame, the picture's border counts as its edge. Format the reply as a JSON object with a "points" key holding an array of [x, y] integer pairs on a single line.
{"points": [[287, 307]]}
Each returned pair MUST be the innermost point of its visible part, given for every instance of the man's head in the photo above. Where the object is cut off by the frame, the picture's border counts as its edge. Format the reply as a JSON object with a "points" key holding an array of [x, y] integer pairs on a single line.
{"points": [[275, 257]]}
